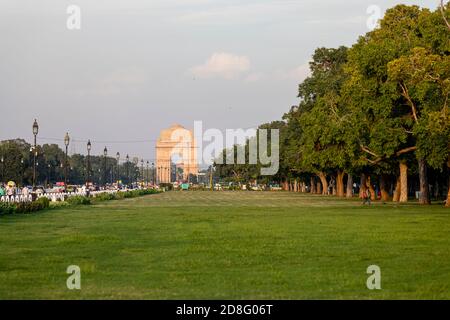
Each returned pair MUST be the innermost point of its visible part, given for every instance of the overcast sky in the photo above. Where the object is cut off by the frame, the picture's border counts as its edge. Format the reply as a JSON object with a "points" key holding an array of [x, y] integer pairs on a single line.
{"points": [[136, 67]]}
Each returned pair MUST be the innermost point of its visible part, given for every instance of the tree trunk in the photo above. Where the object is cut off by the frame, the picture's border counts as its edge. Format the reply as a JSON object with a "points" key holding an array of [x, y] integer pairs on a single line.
{"points": [[313, 185], [396, 197], [318, 188], [362, 186], [424, 197], [296, 185], [373, 196], [383, 189], [349, 186], [403, 182], [333, 187], [340, 183], [323, 180], [447, 203]]}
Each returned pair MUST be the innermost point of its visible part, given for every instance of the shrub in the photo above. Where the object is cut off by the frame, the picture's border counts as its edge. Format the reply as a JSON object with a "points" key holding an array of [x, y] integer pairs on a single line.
{"points": [[120, 195], [6, 208], [44, 202], [105, 197], [79, 200], [59, 204], [137, 193], [29, 207]]}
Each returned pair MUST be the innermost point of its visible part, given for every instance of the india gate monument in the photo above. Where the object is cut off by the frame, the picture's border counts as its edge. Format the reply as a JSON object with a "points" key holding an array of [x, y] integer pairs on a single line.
{"points": [[176, 148]]}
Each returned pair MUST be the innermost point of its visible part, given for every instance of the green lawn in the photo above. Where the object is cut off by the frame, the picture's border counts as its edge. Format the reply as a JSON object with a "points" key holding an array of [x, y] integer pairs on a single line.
{"points": [[227, 245]]}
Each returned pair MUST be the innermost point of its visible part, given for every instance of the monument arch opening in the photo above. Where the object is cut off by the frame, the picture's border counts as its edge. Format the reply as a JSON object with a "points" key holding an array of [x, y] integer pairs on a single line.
{"points": [[176, 154]]}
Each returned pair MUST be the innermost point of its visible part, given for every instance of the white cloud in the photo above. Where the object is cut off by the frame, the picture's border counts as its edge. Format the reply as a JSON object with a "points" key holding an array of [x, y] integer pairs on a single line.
{"points": [[222, 65]]}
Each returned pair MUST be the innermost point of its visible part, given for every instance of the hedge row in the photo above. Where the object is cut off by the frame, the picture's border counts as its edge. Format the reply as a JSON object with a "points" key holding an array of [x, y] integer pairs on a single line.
{"points": [[44, 203], [24, 207]]}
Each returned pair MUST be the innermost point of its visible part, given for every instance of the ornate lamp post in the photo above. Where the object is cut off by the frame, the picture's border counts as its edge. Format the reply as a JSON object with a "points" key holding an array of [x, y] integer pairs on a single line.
{"points": [[35, 133], [153, 173], [128, 169], [21, 171], [146, 179], [48, 175], [105, 153], [118, 168], [66, 143], [159, 174], [89, 146], [142, 171], [37, 164]]}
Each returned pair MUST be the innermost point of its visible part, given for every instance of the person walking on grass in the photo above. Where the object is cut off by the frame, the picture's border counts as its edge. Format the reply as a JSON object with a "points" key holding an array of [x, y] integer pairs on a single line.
{"points": [[366, 197]]}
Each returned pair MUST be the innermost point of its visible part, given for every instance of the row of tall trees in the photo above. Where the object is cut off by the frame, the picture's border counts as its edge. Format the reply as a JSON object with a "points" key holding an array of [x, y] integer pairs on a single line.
{"points": [[375, 113], [17, 165]]}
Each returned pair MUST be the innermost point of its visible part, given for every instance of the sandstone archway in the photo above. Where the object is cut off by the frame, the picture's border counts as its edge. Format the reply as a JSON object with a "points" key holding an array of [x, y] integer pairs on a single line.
{"points": [[175, 144]]}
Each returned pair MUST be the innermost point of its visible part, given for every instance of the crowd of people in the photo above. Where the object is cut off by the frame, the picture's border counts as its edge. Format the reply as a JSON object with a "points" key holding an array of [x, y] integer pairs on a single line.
{"points": [[12, 190]]}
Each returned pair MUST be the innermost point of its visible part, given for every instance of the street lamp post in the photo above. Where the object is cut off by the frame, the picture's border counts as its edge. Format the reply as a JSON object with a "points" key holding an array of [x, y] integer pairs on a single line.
{"points": [[105, 153], [118, 168], [22, 172], [128, 169], [142, 171], [146, 179], [153, 173], [89, 146], [48, 175], [35, 133], [159, 174], [66, 143], [37, 165]]}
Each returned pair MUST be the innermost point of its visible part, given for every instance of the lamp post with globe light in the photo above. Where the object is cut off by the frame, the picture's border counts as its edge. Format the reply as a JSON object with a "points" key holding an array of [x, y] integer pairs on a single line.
{"points": [[89, 146], [128, 169], [66, 143], [35, 133], [105, 154], [118, 168]]}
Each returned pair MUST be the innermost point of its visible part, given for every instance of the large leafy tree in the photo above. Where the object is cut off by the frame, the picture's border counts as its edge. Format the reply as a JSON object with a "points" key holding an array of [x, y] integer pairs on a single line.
{"points": [[384, 120], [322, 117], [423, 81]]}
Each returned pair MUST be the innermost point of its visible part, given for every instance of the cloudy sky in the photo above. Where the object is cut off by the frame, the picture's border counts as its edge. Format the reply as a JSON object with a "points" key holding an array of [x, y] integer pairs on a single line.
{"points": [[136, 67]]}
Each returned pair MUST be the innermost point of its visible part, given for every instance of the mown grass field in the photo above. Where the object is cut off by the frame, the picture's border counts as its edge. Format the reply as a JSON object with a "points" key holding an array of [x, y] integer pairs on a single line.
{"points": [[227, 245]]}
